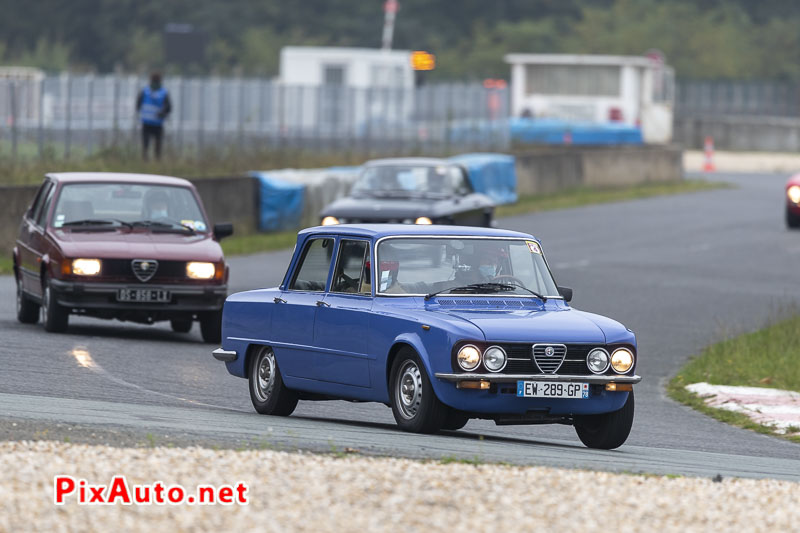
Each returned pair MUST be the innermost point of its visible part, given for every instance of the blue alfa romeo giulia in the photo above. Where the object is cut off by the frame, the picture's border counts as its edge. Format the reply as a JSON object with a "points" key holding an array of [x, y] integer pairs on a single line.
{"points": [[442, 323]]}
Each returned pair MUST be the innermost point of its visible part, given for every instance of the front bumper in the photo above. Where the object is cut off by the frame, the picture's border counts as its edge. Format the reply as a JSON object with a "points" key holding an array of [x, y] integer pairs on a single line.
{"points": [[103, 296], [512, 378]]}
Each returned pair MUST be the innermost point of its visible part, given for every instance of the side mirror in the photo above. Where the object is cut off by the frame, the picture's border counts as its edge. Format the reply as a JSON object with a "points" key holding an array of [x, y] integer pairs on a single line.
{"points": [[222, 230], [566, 292]]}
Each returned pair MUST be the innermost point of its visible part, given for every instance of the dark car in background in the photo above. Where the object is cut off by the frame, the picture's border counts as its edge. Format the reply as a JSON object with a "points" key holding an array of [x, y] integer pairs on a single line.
{"points": [[412, 191], [127, 246]]}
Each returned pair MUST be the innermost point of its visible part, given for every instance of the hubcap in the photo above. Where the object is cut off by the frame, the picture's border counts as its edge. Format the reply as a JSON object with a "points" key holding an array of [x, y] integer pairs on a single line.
{"points": [[408, 390], [264, 375], [19, 296]]}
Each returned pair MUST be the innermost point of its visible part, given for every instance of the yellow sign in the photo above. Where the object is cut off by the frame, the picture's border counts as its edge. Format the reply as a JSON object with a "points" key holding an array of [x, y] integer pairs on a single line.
{"points": [[421, 60]]}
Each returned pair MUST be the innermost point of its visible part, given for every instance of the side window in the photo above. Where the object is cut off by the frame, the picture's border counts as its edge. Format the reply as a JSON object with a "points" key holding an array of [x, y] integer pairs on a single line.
{"points": [[312, 271], [37, 202], [351, 274], [41, 216]]}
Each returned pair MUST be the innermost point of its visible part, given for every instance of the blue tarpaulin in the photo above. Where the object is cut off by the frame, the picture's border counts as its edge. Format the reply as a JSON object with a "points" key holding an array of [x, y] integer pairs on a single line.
{"points": [[491, 174], [557, 131], [281, 202]]}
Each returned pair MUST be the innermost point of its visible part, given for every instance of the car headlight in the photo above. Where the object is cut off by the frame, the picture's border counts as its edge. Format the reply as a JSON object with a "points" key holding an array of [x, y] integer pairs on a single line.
{"points": [[200, 270], [330, 221], [423, 220], [793, 193], [597, 360], [621, 360], [86, 267], [469, 357], [494, 359]]}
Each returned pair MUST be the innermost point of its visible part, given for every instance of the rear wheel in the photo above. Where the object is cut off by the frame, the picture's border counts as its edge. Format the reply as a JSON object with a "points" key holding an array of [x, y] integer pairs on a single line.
{"points": [[211, 326], [792, 219], [608, 430], [414, 404], [54, 317], [27, 309], [267, 391], [181, 325]]}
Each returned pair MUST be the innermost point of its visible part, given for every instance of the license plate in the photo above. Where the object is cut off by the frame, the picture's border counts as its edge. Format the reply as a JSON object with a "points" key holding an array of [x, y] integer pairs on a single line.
{"points": [[143, 295], [544, 389]]}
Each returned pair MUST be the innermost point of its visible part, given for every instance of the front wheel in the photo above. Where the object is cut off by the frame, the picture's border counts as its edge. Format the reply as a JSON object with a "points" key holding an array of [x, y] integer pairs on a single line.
{"points": [[27, 310], [414, 404], [181, 325], [455, 420], [267, 391], [211, 326], [608, 430], [54, 316]]}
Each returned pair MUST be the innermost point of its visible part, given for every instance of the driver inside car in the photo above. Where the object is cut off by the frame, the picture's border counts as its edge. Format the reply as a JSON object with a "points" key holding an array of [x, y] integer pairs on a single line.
{"points": [[156, 205]]}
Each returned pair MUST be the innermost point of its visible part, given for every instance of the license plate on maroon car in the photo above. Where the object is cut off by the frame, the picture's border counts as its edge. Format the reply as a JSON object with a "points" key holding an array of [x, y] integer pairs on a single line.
{"points": [[543, 389], [143, 295]]}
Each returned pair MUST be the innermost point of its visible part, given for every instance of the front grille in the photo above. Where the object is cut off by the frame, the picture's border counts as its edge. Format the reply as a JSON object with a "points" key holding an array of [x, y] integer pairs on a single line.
{"points": [[521, 361], [123, 270], [548, 357]]}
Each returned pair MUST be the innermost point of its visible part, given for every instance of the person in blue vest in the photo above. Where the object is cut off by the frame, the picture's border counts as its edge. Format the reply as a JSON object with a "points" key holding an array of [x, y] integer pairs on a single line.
{"points": [[153, 106]]}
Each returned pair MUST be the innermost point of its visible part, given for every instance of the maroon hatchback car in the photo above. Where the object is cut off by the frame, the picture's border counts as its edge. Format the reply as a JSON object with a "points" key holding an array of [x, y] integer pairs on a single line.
{"points": [[127, 246]]}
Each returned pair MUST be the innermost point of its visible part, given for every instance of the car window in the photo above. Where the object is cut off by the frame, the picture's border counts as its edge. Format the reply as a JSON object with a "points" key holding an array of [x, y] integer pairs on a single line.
{"points": [[41, 216], [39, 200], [312, 271], [351, 274]]}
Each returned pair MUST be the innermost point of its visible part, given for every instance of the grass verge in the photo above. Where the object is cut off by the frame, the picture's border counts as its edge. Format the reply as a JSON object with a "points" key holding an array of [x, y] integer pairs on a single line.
{"points": [[258, 242], [764, 358], [6, 265], [592, 195]]}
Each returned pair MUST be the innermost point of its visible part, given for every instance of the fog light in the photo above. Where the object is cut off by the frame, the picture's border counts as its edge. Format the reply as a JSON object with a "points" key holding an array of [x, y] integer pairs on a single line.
{"points": [[597, 360], [494, 359], [330, 221], [423, 220], [468, 357], [200, 270], [794, 194], [621, 360], [86, 267]]}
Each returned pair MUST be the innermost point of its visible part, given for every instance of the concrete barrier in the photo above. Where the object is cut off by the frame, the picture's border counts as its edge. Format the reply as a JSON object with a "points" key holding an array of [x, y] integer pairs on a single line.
{"points": [[740, 133]]}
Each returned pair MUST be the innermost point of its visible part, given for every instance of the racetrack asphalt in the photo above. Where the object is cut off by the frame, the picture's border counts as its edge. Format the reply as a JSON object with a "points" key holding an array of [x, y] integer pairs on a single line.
{"points": [[681, 271]]}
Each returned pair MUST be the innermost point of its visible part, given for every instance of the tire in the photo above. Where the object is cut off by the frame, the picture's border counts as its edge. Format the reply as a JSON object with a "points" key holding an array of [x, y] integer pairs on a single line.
{"points": [[414, 404], [455, 420], [608, 430], [27, 310], [54, 317], [182, 325], [211, 326], [792, 220], [267, 391]]}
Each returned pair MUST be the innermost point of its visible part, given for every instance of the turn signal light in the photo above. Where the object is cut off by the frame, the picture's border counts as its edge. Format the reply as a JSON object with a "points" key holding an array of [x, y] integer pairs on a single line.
{"points": [[619, 387], [482, 385]]}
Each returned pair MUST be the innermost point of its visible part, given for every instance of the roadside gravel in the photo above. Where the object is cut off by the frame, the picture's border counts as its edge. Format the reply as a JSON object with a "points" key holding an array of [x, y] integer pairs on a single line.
{"points": [[307, 492]]}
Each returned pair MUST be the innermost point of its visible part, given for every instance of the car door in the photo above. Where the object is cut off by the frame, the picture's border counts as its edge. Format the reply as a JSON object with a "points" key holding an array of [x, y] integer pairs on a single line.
{"points": [[31, 239], [293, 318], [342, 325], [469, 208]]}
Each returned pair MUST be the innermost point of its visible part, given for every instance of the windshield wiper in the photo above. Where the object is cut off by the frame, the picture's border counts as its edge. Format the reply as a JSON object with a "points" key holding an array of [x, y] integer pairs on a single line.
{"points": [[489, 286], [169, 225], [97, 222]]}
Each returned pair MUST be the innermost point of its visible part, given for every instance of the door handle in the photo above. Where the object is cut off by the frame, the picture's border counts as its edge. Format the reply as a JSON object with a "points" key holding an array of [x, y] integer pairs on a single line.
{"points": [[279, 300], [320, 303]]}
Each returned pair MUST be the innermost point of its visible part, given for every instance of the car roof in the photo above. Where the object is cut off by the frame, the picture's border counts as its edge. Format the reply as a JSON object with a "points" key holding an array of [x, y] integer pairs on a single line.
{"points": [[117, 177], [378, 231], [420, 161]]}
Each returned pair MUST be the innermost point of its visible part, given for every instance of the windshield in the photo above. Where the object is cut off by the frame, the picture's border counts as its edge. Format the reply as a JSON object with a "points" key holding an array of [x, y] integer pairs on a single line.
{"points": [[127, 203], [411, 179], [421, 266]]}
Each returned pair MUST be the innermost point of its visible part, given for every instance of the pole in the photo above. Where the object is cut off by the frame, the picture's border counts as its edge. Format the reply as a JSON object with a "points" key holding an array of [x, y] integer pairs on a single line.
{"points": [[40, 135], [13, 101], [390, 11]]}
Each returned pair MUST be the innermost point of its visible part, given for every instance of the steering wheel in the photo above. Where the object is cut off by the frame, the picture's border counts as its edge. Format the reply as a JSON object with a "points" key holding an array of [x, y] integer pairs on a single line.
{"points": [[347, 283], [505, 277]]}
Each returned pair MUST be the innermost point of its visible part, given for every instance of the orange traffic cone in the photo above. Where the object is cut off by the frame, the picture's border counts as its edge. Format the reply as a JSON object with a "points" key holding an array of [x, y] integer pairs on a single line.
{"points": [[708, 148]]}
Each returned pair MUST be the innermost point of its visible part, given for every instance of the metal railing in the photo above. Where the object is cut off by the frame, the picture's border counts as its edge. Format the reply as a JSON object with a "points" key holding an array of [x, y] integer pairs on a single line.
{"points": [[65, 115]]}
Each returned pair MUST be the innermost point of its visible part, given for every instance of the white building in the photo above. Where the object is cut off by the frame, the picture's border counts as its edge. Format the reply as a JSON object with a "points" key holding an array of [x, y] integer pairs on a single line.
{"points": [[346, 88], [634, 90]]}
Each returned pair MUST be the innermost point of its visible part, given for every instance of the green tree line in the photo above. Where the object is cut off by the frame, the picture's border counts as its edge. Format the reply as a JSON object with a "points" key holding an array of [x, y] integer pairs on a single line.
{"points": [[702, 39]]}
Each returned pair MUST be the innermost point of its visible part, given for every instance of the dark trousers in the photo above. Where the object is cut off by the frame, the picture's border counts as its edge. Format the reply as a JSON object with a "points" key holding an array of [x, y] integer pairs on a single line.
{"points": [[157, 134]]}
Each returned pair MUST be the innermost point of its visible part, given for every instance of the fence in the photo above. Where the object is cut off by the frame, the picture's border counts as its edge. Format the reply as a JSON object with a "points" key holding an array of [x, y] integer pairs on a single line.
{"points": [[69, 115], [725, 98]]}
